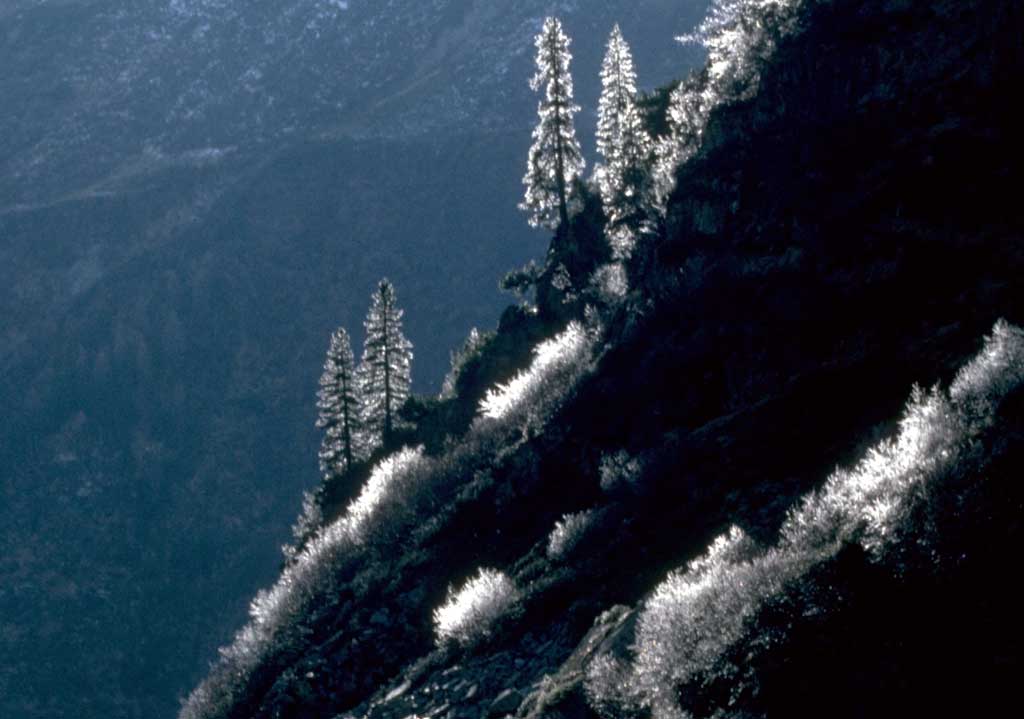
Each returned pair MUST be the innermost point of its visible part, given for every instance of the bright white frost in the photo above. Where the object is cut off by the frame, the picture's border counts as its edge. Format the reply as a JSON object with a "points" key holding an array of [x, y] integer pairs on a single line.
{"points": [[565, 349], [338, 402], [739, 35], [469, 612], [734, 35], [567, 533], [697, 613], [385, 369], [309, 520], [623, 141], [556, 158], [310, 574], [378, 487]]}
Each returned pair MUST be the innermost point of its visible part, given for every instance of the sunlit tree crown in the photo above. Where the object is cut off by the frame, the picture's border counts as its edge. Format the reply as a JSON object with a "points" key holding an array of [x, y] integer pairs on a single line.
{"points": [[385, 370], [618, 95], [338, 403], [625, 177], [555, 159]]}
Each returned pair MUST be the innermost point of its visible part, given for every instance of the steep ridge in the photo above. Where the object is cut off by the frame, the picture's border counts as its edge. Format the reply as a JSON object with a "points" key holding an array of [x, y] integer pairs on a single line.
{"points": [[848, 231]]}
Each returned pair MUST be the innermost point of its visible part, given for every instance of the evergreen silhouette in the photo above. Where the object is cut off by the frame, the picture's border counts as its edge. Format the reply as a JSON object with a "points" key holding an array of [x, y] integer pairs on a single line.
{"points": [[385, 369], [555, 160], [339, 404], [625, 178]]}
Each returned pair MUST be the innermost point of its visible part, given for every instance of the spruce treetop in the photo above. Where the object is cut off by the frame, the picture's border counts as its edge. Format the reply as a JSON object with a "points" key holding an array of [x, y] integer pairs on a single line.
{"points": [[618, 82], [625, 179], [385, 370], [556, 158], [339, 406]]}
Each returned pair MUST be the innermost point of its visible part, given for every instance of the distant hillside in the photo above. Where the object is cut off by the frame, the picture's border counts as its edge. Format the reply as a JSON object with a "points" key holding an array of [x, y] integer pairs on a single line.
{"points": [[99, 92]]}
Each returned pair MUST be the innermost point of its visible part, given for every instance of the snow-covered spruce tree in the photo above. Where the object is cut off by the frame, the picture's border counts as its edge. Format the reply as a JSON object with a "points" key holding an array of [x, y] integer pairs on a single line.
{"points": [[339, 404], [625, 178], [556, 160], [386, 365]]}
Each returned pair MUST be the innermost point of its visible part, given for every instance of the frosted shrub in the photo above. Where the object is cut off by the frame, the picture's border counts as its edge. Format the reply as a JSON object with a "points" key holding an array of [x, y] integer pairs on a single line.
{"points": [[696, 614], [997, 369], [387, 481], [610, 282], [866, 503], [309, 520], [468, 613], [552, 371], [568, 531], [693, 615], [276, 613], [459, 358], [618, 470], [611, 688], [739, 36]]}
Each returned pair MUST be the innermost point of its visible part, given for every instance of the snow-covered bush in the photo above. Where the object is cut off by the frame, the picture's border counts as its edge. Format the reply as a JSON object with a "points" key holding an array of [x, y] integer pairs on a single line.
{"points": [[276, 614], [309, 520], [469, 612], [992, 374], [739, 37], [389, 483], [568, 532], [696, 614], [610, 283], [618, 470], [610, 687], [460, 358], [535, 392]]}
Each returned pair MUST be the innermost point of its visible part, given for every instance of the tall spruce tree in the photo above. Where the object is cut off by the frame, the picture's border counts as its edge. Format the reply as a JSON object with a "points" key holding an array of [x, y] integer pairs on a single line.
{"points": [[556, 159], [385, 369], [625, 179], [339, 404]]}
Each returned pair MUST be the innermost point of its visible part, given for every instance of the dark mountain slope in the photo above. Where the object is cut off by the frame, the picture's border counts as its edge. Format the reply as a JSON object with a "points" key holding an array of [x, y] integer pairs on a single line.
{"points": [[845, 233]]}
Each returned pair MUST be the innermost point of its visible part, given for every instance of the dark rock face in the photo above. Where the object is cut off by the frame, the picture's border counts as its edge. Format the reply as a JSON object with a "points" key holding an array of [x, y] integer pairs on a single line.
{"points": [[849, 231]]}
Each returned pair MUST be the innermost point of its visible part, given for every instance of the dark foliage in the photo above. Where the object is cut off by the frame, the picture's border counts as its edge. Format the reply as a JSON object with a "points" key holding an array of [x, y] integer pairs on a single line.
{"points": [[654, 106]]}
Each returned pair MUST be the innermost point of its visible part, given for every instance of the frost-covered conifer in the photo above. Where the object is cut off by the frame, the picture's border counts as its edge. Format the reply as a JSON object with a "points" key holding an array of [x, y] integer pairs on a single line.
{"points": [[739, 37], [386, 365], [623, 140], [687, 116], [555, 160], [339, 404]]}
